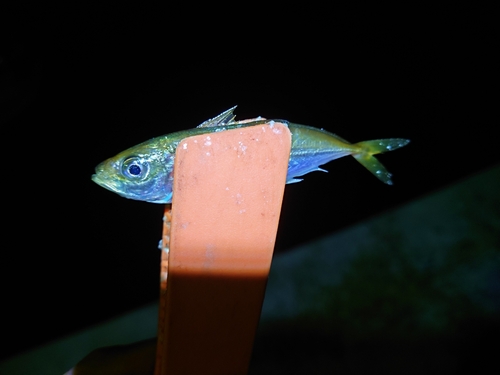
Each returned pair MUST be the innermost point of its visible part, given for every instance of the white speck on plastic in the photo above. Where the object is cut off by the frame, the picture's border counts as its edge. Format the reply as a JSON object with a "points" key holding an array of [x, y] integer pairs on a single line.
{"points": [[207, 141], [208, 153], [243, 211], [242, 147], [184, 146], [160, 245], [227, 188], [271, 124], [239, 199]]}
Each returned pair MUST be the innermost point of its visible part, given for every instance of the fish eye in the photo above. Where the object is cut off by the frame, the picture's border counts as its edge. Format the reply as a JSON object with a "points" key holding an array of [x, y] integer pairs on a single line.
{"points": [[135, 167]]}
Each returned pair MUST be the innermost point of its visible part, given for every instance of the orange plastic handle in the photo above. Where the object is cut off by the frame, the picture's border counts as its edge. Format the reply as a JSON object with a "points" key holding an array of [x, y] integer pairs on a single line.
{"points": [[228, 190]]}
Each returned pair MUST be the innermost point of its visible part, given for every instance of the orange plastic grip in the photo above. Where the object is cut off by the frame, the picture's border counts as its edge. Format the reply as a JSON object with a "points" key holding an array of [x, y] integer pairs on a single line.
{"points": [[228, 190]]}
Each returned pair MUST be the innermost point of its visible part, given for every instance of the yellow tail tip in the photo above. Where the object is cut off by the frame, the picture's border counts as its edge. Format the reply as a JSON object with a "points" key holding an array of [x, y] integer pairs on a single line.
{"points": [[378, 146]]}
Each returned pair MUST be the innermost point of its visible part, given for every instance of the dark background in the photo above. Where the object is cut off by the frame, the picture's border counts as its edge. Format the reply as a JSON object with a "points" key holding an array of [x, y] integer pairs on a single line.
{"points": [[80, 83]]}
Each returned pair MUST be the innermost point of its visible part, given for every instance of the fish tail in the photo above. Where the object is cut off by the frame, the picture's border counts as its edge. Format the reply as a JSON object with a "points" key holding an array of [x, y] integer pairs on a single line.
{"points": [[378, 146]]}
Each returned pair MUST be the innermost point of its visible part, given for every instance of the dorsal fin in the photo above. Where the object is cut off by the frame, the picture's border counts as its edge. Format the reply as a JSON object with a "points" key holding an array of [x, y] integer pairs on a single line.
{"points": [[223, 119]]}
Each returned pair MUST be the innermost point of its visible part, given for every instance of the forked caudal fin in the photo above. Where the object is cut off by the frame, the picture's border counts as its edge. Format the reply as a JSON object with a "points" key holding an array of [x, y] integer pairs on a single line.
{"points": [[378, 146]]}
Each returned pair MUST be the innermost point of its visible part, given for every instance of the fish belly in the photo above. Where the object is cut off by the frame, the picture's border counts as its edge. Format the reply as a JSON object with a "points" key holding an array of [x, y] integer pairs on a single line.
{"points": [[303, 163]]}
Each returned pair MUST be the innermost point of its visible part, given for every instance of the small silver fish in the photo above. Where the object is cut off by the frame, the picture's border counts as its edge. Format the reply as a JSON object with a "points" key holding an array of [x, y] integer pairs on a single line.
{"points": [[145, 172]]}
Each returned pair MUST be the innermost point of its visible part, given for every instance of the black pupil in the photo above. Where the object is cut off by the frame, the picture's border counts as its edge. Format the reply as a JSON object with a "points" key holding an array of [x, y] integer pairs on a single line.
{"points": [[134, 170]]}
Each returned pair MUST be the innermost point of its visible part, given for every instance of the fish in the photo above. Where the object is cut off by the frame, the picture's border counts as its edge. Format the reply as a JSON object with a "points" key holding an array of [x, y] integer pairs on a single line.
{"points": [[145, 172]]}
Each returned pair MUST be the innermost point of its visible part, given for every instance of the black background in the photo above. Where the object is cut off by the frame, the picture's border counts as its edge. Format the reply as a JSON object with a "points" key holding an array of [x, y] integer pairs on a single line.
{"points": [[80, 83]]}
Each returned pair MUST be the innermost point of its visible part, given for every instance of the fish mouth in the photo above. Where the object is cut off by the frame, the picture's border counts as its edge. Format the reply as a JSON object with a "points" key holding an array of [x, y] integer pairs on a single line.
{"points": [[105, 184]]}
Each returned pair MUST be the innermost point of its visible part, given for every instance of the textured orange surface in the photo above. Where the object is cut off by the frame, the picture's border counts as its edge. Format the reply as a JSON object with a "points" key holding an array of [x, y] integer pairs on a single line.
{"points": [[228, 189]]}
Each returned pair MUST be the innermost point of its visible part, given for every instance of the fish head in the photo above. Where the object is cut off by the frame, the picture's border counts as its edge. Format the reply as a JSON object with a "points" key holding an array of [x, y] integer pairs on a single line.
{"points": [[143, 172]]}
